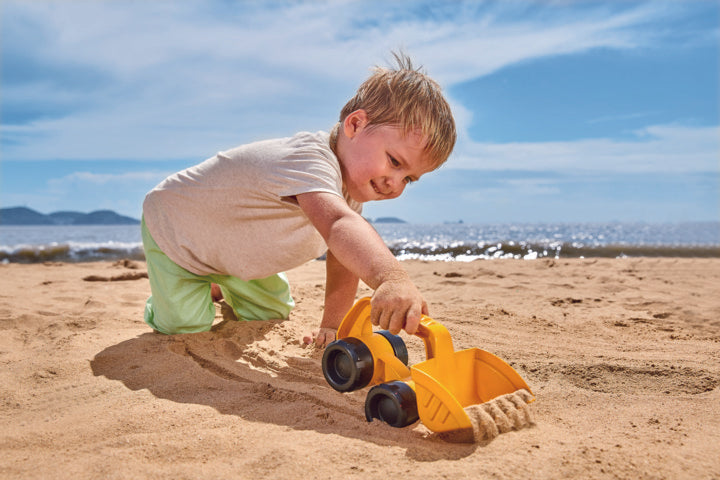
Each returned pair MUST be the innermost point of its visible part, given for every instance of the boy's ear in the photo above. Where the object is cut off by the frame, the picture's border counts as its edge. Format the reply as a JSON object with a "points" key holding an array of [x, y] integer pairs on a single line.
{"points": [[355, 122]]}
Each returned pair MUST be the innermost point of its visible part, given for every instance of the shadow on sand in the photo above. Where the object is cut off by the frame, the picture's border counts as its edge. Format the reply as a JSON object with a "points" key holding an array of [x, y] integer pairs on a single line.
{"points": [[228, 370]]}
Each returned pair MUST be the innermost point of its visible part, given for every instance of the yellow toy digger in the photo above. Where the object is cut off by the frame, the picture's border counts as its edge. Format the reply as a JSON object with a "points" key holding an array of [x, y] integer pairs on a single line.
{"points": [[435, 391]]}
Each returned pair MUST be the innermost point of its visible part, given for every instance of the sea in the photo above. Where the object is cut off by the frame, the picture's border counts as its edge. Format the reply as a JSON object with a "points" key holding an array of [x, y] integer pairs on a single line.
{"points": [[431, 242]]}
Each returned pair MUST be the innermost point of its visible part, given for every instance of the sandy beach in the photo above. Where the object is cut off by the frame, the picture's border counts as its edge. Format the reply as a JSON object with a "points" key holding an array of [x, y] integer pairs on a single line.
{"points": [[623, 356]]}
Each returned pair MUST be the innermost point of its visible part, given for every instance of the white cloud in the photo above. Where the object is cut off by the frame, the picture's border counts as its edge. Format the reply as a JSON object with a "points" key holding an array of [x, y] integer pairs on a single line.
{"points": [[181, 79], [104, 179], [511, 188], [328, 39], [660, 148], [86, 191]]}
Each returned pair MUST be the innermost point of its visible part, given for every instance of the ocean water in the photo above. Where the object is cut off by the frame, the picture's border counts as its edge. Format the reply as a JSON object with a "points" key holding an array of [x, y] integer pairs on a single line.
{"points": [[69, 243], [441, 242], [461, 242]]}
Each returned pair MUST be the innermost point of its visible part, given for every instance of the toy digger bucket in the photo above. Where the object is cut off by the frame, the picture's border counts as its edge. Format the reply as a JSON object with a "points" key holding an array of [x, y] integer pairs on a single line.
{"points": [[448, 381]]}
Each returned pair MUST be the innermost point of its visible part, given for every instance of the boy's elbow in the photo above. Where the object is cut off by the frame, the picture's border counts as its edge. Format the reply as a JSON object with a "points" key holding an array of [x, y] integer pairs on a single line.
{"points": [[327, 212]]}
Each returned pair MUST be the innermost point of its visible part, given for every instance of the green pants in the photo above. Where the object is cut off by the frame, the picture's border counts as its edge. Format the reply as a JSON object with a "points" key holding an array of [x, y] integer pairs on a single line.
{"points": [[181, 301]]}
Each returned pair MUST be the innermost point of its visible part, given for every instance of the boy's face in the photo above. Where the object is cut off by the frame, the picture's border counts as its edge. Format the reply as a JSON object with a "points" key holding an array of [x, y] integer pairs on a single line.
{"points": [[378, 162]]}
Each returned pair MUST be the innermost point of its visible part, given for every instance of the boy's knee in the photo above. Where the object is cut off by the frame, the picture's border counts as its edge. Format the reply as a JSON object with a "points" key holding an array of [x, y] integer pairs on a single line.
{"points": [[245, 310], [172, 322], [261, 299]]}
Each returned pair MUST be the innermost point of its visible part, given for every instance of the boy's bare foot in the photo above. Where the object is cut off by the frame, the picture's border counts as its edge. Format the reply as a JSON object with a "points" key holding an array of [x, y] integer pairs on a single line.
{"points": [[216, 292]]}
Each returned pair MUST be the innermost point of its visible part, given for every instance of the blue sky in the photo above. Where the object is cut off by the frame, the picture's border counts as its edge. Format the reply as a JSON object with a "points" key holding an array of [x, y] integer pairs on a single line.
{"points": [[566, 111]]}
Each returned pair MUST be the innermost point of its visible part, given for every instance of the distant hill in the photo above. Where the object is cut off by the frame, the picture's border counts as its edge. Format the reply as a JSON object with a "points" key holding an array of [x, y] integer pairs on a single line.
{"points": [[388, 220], [27, 216]]}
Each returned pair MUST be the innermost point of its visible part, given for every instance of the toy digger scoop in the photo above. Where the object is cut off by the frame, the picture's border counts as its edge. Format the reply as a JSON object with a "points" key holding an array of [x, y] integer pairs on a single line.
{"points": [[436, 391]]}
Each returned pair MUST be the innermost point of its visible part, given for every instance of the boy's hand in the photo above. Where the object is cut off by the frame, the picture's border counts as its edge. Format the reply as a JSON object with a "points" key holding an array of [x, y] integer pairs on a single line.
{"points": [[320, 338], [396, 305]]}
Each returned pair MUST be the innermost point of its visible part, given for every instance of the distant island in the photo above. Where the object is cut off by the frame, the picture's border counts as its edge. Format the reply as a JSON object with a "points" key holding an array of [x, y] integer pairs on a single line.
{"points": [[388, 220], [28, 216]]}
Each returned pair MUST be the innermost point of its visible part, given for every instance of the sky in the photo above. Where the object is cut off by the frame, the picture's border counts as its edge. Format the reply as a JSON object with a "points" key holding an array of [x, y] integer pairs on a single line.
{"points": [[567, 111]]}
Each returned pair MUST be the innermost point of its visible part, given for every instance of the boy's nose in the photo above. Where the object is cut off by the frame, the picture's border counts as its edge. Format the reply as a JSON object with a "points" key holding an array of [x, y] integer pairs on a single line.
{"points": [[394, 185]]}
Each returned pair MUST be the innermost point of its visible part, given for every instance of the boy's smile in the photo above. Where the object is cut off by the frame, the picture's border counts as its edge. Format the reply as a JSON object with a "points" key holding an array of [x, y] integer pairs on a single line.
{"points": [[377, 162]]}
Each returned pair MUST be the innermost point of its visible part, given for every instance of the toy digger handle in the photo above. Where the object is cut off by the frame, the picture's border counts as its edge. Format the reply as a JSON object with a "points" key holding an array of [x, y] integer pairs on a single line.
{"points": [[435, 336], [438, 343]]}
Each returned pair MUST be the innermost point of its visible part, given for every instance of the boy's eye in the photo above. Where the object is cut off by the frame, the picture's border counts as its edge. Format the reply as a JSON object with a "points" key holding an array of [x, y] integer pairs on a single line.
{"points": [[408, 180], [394, 162]]}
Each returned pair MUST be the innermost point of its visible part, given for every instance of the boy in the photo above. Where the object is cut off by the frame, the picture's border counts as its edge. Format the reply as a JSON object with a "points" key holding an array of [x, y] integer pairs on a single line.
{"points": [[242, 216]]}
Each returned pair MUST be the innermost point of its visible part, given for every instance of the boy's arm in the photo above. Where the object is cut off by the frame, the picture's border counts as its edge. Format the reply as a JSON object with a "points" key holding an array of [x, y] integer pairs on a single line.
{"points": [[340, 289], [396, 303]]}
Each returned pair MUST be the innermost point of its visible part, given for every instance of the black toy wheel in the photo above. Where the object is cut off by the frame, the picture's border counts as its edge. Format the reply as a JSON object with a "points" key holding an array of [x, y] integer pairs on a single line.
{"points": [[393, 403], [347, 364], [398, 345]]}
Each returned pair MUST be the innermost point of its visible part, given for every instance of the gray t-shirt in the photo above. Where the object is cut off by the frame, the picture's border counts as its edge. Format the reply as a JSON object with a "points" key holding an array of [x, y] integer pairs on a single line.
{"points": [[235, 213]]}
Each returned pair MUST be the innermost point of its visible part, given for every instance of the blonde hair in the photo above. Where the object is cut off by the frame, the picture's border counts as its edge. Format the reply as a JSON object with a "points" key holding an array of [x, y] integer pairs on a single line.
{"points": [[407, 98]]}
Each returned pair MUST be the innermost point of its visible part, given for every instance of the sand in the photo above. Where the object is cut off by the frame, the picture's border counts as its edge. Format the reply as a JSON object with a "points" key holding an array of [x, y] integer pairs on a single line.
{"points": [[623, 356]]}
